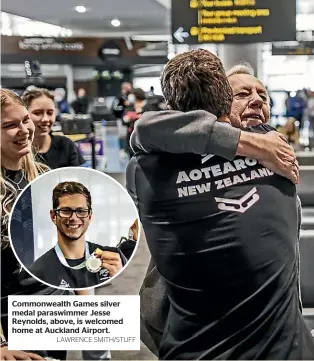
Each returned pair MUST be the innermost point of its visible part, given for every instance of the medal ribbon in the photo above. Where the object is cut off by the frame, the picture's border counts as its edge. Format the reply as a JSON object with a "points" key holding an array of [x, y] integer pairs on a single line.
{"points": [[62, 259]]}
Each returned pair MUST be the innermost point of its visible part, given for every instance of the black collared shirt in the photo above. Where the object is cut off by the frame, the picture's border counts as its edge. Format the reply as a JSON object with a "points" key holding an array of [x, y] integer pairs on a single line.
{"points": [[49, 269], [63, 152], [223, 236]]}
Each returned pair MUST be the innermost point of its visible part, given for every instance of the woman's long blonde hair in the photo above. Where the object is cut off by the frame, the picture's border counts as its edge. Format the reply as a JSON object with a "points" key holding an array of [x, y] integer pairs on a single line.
{"points": [[31, 168]]}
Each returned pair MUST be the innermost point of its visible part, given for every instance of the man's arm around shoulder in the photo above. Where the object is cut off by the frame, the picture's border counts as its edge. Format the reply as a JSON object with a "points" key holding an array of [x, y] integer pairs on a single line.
{"points": [[199, 132], [177, 132]]}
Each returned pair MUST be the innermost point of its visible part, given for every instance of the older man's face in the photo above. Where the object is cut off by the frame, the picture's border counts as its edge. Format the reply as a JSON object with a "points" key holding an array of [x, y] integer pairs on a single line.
{"points": [[250, 101]]}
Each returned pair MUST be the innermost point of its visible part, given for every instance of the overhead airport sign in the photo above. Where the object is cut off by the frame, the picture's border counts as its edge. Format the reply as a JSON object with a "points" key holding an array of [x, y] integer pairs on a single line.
{"points": [[119, 52], [42, 44], [233, 21], [293, 48]]}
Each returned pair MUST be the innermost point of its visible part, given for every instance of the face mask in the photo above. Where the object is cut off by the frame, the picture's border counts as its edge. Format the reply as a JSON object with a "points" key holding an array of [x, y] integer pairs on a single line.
{"points": [[131, 98]]}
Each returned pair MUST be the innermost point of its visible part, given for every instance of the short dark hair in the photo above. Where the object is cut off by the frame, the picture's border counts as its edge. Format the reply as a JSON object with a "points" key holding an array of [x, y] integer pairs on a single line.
{"points": [[139, 94], [70, 188], [197, 80]]}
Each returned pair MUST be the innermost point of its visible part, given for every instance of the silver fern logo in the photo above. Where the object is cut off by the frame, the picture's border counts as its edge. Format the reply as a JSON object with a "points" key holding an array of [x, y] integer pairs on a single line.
{"points": [[238, 205]]}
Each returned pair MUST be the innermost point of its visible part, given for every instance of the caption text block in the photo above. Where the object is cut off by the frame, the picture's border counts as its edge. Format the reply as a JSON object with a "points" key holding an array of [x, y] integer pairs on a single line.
{"points": [[74, 323]]}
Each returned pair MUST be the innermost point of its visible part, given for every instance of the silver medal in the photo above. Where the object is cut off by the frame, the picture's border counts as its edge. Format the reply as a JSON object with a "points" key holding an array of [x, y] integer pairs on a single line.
{"points": [[93, 264]]}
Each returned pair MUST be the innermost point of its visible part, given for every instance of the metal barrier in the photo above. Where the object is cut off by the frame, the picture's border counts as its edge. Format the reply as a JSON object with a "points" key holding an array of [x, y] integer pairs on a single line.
{"points": [[308, 315], [306, 186], [307, 267], [305, 158]]}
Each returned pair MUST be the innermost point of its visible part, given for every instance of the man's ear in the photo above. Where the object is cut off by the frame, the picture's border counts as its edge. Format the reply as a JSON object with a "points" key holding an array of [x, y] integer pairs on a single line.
{"points": [[90, 215], [53, 216]]}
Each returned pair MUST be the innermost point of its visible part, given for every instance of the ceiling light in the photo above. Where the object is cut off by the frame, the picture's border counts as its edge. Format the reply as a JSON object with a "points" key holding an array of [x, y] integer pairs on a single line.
{"points": [[115, 22], [80, 9]]}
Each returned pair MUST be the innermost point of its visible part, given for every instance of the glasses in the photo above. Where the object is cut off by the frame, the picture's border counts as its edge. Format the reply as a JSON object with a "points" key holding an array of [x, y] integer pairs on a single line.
{"points": [[68, 212]]}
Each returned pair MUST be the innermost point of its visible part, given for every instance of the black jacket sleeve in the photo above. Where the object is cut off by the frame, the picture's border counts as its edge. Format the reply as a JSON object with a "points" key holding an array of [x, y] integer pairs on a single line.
{"points": [[177, 132]]}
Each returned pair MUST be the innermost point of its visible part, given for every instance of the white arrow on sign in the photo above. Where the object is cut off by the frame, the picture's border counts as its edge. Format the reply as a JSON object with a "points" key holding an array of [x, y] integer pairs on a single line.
{"points": [[180, 34]]}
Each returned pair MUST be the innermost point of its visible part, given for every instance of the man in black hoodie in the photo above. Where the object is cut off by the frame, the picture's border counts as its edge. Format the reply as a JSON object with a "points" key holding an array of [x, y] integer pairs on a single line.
{"points": [[226, 251]]}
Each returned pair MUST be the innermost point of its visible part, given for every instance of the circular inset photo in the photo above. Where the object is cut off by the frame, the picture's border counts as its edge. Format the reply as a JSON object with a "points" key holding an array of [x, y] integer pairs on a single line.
{"points": [[74, 228]]}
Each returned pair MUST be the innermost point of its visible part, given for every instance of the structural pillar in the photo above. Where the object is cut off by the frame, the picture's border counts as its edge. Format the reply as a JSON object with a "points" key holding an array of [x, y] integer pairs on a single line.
{"points": [[68, 72], [233, 54]]}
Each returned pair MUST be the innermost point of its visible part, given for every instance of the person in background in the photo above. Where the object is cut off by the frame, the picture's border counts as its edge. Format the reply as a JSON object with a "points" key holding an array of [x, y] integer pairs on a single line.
{"points": [[81, 104], [127, 245], [290, 131], [310, 117], [287, 103], [61, 101], [121, 101], [137, 106], [271, 102], [295, 107], [54, 150], [18, 168], [151, 91], [126, 89]]}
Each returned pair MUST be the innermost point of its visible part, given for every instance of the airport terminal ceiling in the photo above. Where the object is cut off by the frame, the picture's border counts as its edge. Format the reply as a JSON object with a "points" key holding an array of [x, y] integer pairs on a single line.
{"points": [[136, 16], [98, 15]]}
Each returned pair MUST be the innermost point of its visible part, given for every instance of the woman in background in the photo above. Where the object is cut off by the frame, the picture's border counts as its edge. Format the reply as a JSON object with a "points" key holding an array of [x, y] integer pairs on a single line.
{"points": [[127, 245], [18, 168], [54, 150], [137, 106], [290, 130]]}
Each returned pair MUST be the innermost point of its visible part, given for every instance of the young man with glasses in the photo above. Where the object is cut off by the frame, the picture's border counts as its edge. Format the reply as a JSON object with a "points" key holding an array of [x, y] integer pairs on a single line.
{"points": [[74, 262]]}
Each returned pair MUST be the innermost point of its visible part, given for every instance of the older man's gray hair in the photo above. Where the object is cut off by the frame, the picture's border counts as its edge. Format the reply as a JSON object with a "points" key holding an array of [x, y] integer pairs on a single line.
{"points": [[242, 68]]}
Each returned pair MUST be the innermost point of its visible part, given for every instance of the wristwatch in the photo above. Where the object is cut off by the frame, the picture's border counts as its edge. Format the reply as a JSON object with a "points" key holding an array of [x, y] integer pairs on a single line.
{"points": [[3, 341]]}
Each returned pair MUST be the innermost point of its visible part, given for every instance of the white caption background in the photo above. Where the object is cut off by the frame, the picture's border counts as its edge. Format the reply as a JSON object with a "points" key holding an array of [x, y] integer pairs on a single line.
{"points": [[46, 323]]}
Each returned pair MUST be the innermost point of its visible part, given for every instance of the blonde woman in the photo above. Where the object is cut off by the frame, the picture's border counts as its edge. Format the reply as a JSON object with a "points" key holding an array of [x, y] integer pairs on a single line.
{"points": [[18, 168]]}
